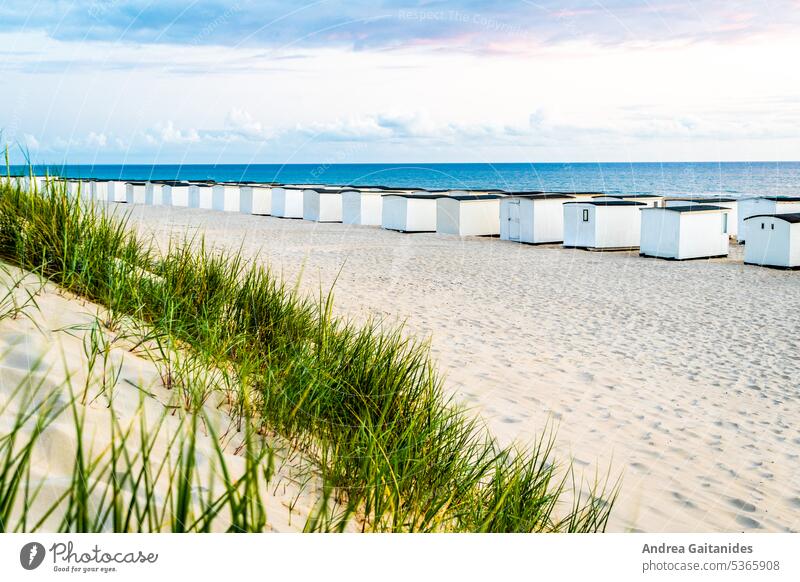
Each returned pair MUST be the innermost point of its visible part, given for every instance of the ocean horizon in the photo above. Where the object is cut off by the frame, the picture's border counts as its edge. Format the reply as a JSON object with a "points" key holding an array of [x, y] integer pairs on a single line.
{"points": [[734, 179]]}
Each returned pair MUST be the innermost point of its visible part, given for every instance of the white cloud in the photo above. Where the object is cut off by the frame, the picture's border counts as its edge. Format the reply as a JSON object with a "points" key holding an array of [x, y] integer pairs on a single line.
{"points": [[31, 142], [167, 133], [97, 140]]}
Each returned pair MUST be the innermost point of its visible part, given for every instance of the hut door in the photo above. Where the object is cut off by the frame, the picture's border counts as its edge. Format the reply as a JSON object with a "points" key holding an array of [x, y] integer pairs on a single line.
{"points": [[513, 220]]}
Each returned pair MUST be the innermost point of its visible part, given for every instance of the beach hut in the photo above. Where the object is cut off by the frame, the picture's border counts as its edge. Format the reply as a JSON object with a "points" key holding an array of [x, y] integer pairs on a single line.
{"points": [[287, 202], [100, 189], [39, 183], [764, 205], [362, 206], [255, 199], [76, 187], [154, 193], [533, 217], [697, 231], [732, 204], [201, 195], [116, 191], [322, 205], [225, 197], [175, 193], [602, 224], [468, 215], [135, 192], [410, 212], [773, 240]]}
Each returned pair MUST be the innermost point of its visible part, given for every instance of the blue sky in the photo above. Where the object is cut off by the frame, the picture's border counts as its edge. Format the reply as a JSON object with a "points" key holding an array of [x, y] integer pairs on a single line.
{"points": [[282, 82]]}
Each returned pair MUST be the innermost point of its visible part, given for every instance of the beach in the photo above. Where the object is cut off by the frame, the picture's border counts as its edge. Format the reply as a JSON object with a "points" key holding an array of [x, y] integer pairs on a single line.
{"points": [[45, 352], [678, 377]]}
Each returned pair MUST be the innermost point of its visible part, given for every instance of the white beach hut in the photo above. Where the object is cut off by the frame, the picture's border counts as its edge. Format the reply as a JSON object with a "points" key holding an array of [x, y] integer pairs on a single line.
{"points": [[697, 231], [362, 206], [154, 193], [116, 191], [732, 204], [225, 197], [175, 194], [468, 215], [773, 240], [764, 205], [255, 199], [135, 192], [82, 188], [287, 202], [410, 212], [40, 183], [533, 217], [201, 195], [100, 189], [602, 224], [322, 205]]}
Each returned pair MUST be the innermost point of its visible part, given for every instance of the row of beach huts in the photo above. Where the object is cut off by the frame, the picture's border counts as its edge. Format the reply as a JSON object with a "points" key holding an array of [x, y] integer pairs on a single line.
{"points": [[678, 228]]}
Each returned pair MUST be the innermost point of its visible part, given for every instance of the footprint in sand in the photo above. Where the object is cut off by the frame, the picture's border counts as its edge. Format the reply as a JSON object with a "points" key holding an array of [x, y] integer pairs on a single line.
{"points": [[748, 522], [742, 505]]}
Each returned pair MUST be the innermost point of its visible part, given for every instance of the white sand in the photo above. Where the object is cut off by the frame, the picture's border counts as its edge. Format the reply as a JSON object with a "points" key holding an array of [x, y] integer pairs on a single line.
{"points": [[47, 350], [681, 376]]}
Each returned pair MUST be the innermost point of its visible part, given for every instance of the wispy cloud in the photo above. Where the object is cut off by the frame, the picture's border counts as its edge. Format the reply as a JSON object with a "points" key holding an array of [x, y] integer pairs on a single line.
{"points": [[365, 25]]}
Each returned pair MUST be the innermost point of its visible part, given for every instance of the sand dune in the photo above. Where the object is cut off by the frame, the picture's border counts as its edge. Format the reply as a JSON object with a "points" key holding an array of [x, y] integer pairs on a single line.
{"points": [[681, 376], [47, 353]]}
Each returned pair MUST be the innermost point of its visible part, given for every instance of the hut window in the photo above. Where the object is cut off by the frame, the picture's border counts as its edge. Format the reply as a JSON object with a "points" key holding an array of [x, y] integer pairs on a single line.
{"points": [[762, 226], [772, 226], [724, 223], [585, 215]]}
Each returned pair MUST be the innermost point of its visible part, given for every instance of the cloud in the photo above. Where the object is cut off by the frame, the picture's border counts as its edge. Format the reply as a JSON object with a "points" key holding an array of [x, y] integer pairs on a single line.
{"points": [[167, 133], [97, 140], [240, 122], [494, 25]]}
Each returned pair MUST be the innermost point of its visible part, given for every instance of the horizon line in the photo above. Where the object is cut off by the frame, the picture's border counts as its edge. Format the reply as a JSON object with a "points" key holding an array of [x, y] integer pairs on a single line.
{"points": [[405, 163]]}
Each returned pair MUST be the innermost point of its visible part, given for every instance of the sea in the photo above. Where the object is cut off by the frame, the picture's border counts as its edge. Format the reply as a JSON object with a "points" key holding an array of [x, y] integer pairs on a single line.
{"points": [[729, 179]]}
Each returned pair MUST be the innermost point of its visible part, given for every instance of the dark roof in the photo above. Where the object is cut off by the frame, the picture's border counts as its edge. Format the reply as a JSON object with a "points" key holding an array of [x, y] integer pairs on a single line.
{"points": [[540, 195], [465, 190], [358, 187], [469, 197], [792, 217], [782, 198], [607, 203], [555, 193], [137, 183], [427, 196], [633, 195], [709, 199], [691, 208]]}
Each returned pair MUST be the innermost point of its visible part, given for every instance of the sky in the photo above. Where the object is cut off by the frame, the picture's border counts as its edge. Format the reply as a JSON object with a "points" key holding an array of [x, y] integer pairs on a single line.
{"points": [[206, 81]]}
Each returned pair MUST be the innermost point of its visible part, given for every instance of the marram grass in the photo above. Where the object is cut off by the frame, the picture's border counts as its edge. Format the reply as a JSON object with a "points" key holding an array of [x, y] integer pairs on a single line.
{"points": [[365, 403]]}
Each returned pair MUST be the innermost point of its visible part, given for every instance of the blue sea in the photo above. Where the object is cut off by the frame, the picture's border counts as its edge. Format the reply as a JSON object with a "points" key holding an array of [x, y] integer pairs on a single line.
{"points": [[733, 179]]}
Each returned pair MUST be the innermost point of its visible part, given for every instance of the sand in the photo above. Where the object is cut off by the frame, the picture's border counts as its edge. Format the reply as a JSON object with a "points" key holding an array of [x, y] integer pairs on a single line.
{"points": [[682, 377], [45, 351]]}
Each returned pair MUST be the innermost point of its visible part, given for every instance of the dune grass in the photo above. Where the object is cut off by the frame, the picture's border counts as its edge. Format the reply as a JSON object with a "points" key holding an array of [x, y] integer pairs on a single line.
{"points": [[363, 401]]}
